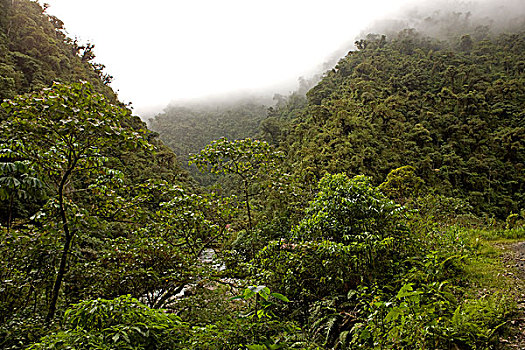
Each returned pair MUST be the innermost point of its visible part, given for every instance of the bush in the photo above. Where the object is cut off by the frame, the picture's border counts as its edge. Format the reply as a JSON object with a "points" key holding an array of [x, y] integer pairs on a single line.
{"points": [[351, 234], [121, 323], [429, 317]]}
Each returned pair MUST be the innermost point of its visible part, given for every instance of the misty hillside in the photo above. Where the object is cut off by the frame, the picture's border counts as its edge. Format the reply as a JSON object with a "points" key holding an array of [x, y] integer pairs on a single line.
{"points": [[187, 130], [451, 109]]}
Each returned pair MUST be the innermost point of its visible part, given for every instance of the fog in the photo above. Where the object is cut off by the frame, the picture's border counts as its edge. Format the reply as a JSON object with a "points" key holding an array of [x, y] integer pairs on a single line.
{"points": [[162, 51], [183, 52], [446, 19]]}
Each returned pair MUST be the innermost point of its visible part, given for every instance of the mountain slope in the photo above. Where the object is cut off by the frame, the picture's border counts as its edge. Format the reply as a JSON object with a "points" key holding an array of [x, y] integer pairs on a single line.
{"points": [[35, 51], [452, 110]]}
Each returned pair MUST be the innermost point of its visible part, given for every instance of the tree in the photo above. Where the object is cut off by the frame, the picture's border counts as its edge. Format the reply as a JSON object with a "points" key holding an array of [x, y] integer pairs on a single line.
{"points": [[402, 184], [67, 133], [351, 234], [251, 161]]}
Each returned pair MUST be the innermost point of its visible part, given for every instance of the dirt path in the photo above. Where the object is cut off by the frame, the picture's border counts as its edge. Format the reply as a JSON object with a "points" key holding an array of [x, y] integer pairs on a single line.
{"points": [[514, 260]]}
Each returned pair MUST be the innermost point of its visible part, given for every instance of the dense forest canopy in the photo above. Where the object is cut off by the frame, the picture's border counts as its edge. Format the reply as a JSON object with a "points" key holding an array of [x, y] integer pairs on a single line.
{"points": [[453, 110], [359, 212]]}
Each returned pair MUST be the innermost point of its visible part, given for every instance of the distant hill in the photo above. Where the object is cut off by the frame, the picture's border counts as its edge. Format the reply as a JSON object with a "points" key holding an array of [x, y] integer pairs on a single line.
{"points": [[454, 110], [188, 129]]}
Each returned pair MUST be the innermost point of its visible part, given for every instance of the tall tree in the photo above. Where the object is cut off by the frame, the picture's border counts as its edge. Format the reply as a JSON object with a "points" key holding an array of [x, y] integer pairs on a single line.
{"points": [[67, 133], [251, 161]]}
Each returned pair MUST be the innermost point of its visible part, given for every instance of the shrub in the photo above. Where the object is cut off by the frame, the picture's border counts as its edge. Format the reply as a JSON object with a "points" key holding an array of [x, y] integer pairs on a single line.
{"points": [[351, 234], [121, 323]]}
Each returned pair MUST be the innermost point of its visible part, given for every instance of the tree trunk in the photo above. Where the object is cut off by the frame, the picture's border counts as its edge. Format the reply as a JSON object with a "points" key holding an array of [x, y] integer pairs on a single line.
{"points": [[68, 235], [248, 211], [58, 280]]}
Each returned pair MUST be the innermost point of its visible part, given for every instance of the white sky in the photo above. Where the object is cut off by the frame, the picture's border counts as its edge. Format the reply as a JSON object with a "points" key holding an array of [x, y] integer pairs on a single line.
{"points": [[160, 50]]}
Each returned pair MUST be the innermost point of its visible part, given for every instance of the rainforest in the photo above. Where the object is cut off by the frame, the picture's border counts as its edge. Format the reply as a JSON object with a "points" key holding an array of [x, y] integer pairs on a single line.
{"points": [[380, 205]]}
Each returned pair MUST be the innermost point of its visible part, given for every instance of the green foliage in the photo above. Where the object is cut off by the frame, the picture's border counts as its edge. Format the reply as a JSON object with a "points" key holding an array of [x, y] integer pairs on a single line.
{"points": [[254, 164], [425, 305], [125, 323], [430, 317], [262, 329], [275, 128], [18, 184], [262, 302], [157, 252], [246, 158], [121, 323], [308, 271], [454, 115], [66, 133], [353, 239], [442, 208], [35, 52], [74, 127], [351, 234], [350, 211], [27, 271], [402, 184], [514, 221], [494, 234], [17, 181], [243, 333]]}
